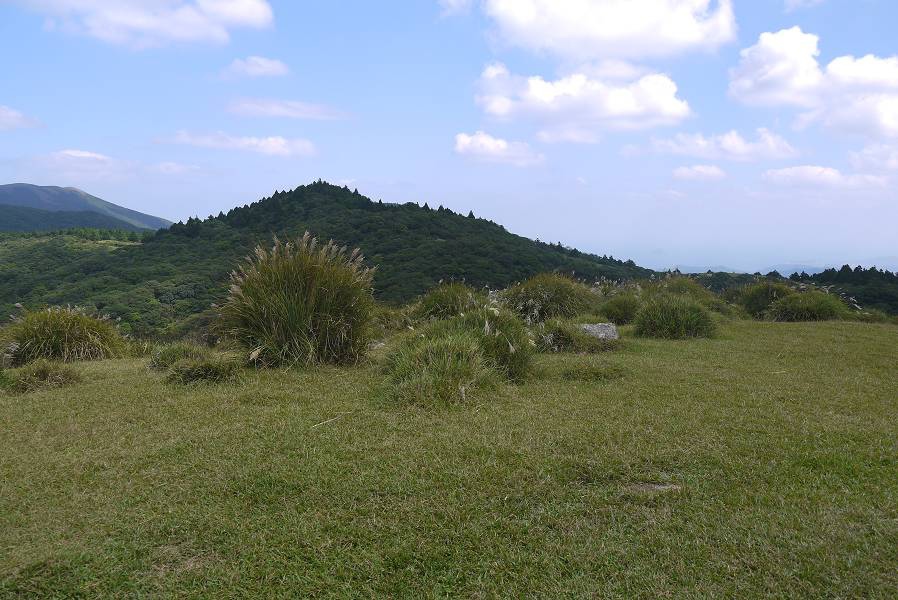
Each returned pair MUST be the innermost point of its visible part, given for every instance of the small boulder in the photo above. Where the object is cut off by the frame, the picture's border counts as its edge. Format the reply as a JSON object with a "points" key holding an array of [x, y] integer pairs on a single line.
{"points": [[602, 331]]}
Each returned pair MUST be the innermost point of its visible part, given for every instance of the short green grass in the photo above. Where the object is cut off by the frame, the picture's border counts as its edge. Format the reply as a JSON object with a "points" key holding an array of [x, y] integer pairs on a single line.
{"points": [[762, 462]]}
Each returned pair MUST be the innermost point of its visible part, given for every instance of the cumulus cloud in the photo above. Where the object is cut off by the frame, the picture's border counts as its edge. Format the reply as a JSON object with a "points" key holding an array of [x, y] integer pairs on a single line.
{"points": [[816, 176], [486, 148], [142, 23], [699, 173], [731, 146], [271, 146], [857, 94], [587, 30], [260, 107], [13, 119], [577, 106], [256, 66]]}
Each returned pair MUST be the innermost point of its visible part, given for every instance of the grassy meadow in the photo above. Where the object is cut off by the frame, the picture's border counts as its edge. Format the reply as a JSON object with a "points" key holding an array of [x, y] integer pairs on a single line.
{"points": [[760, 462]]}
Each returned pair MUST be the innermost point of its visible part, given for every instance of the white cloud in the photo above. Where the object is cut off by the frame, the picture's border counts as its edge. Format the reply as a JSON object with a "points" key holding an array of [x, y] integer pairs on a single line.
{"points": [[142, 23], [260, 107], [13, 119], [256, 66], [856, 94], [796, 4], [484, 147], [455, 7], [587, 29], [878, 157], [272, 146], [700, 173], [577, 106], [816, 176], [730, 146], [172, 168]]}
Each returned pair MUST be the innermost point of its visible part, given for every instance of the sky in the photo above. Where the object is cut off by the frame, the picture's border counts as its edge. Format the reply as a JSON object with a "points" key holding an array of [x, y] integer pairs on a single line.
{"points": [[737, 133]]}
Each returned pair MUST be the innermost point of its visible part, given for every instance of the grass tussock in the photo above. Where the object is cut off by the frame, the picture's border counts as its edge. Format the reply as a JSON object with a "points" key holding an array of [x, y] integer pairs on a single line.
{"points": [[300, 303], [757, 298], [548, 296], [503, 338], [65, 334], [808, 306], [621, 309], [673, 317], [446, 300], [215, 368], [163, 357], [442, 370], [558, 335], [38, 375]]}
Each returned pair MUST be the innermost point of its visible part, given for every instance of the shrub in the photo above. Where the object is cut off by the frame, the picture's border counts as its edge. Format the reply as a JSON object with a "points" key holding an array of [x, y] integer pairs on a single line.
{"points": [[300, 303], [446, 300], [66, 334], [386, 320], [621, 309], [807, 306], [673, 317], [38, 375], [562, 336], [870, 315], [549, 295], [758, 297], [214, 368], [163, 357], [503, 338], [443, 370]]}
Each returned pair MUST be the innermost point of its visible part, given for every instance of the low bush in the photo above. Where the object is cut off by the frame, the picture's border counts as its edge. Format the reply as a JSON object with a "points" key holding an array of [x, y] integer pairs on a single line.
{"points": [[444, 370], [214, 368], [386, 320], [673, 317], [65, 334], [38, 375], [300, 303], [446, 300], [163, 357], [808, 306], [562, 336], [504, 339], [550, 295], [621, 309], [757, 298], [870, 315]]}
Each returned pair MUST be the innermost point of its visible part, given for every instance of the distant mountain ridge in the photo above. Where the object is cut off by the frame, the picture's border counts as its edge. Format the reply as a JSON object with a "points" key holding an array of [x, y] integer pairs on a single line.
{"points": [[21, 218], [59, 200]]}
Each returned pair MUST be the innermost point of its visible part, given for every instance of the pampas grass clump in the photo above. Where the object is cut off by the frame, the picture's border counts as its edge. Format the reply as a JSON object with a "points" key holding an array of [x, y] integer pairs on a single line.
{"points": [[300, 303], [66, 334]]}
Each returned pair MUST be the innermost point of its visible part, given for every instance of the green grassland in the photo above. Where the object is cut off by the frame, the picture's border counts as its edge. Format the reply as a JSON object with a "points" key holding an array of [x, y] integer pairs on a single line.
{"points": [[761, 462]]}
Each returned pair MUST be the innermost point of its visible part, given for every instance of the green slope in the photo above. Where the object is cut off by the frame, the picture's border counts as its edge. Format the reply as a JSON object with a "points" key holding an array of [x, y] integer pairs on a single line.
{"points": [[20, 218], [179, 272], [52, 198]]}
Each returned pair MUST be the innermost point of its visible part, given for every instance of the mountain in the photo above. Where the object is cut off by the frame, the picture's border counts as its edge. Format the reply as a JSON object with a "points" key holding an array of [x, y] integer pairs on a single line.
{"points": [[162, 283], [691, 269], [57, 199], [20, 218]]}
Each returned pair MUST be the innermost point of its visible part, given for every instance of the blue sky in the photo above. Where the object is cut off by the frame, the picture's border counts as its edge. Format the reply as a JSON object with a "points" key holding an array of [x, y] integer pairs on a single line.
{"points": [[697, 132]]}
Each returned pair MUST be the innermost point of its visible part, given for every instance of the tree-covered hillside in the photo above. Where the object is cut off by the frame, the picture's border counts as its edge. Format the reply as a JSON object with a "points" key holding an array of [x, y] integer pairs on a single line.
{"points": [[21, 218], [871, 288], [178, 273]]}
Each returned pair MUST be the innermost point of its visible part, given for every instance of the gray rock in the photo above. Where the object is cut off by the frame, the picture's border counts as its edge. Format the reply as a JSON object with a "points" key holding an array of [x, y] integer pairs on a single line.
{"points": [[603, 331]]}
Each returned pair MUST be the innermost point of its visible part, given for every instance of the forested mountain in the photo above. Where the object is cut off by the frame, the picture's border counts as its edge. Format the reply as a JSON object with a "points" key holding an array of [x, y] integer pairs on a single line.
{"points": [[57, 199], [177, 273], [871, 288], [20, 218]]}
